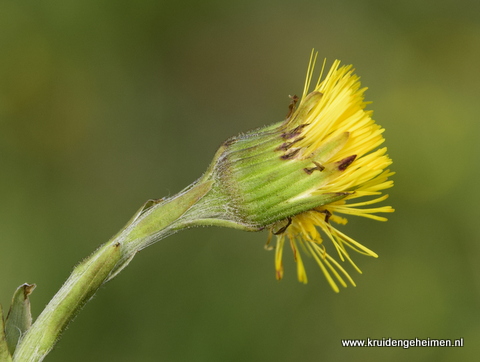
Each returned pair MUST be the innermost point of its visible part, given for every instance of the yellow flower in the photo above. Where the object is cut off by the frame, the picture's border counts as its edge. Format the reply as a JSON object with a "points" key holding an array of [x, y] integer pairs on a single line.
{"points": [[331, 128], [297, 177]]}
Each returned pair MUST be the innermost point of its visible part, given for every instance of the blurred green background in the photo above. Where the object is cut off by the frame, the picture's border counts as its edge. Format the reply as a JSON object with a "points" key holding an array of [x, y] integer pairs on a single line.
{"points": [[105, 104]]}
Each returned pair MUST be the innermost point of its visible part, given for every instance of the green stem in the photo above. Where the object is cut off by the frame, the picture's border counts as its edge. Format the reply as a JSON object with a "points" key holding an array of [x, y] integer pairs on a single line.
{"points": [[154, 221], [77, 290]]}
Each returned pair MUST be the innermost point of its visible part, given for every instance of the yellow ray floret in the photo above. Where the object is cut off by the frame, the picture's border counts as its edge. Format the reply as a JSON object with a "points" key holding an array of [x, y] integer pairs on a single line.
{"points": [[335, 108]]}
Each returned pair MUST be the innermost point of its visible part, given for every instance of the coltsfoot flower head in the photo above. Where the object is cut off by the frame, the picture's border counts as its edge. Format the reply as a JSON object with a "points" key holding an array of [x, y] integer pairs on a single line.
{"points": [[297, 177]]}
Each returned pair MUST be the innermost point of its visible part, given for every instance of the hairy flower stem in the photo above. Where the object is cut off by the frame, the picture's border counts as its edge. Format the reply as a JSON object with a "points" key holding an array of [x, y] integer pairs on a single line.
{"points": [[154, 221]]}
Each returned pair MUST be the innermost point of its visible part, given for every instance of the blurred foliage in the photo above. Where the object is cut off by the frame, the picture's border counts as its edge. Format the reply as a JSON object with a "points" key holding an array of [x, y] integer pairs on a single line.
{"points": [[104, 104]]}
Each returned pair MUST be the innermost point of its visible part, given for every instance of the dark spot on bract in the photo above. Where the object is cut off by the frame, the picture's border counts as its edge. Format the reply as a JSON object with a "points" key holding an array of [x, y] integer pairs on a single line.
{"points": [[292, 105], [328, 214], [286, 145], [294, 132], [347, 161], [318, 167], [282, 229], [290, 154]]}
